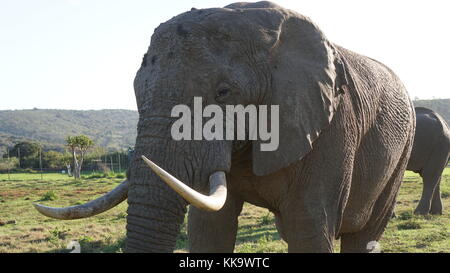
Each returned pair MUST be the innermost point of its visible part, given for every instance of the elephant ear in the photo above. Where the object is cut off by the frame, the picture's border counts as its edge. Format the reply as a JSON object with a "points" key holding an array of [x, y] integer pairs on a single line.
{"points": [[306, 78]]}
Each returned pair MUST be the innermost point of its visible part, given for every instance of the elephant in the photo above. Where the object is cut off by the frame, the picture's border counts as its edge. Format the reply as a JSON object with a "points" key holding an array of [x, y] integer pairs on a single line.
{"points": [[346, 128], [429, 157]]}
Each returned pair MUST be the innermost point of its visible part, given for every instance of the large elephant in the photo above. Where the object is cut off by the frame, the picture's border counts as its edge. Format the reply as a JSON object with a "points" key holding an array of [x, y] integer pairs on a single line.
{"points": [[429, 157], [346, 133]]}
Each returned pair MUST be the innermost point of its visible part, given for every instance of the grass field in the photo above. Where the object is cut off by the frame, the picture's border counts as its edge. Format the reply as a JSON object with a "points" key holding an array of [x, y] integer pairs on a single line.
{"points": [[33, 176], [22, 229]]}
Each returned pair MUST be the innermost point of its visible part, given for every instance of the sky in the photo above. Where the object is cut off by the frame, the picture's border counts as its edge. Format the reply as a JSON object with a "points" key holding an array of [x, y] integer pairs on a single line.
{"points": [[84, 54]]}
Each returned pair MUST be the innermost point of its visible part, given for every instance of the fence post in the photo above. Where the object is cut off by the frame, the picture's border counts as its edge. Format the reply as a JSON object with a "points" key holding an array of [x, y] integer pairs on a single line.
{"points": [[7, 150], [120, 167], [18, 153], [40, 162]]}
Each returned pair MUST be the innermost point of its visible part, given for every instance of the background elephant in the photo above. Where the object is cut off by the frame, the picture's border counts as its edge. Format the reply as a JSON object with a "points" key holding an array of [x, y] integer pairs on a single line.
{"points": [[429, 157], [346, 132]]}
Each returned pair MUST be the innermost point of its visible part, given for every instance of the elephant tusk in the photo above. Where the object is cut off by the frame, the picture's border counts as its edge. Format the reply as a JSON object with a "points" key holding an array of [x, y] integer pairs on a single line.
{"points": [[94, 207], [217, 184]]}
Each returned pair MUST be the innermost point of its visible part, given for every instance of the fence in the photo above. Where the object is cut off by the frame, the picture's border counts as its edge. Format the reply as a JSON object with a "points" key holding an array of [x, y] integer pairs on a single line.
{"points": [[114, 162]]}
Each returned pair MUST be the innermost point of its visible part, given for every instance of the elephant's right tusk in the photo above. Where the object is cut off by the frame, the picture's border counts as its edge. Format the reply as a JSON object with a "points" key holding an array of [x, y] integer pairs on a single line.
{"points": [[94, 207], [217, 184]]}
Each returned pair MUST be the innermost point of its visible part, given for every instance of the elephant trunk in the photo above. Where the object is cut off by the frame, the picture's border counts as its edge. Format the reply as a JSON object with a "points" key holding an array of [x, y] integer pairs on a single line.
{"points": [[155, 211], [153, 220], [157, 200]]}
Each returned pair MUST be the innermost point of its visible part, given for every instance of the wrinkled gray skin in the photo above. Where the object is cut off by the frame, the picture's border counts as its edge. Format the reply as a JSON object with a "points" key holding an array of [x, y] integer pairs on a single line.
{"points": [[346, 130], [346, 133], [429, 157]]}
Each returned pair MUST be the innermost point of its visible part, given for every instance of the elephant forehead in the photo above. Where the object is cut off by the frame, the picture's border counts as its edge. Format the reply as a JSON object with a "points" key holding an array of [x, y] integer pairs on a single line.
{"points": [[189, 45], [223, 24], [184, 23]]}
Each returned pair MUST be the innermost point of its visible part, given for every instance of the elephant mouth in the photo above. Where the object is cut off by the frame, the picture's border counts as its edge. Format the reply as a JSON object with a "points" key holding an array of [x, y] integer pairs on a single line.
{"points": [[213, 202]]}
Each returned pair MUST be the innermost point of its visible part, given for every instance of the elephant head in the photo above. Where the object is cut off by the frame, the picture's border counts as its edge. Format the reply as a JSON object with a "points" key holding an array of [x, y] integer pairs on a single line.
{"points": [[243, 54]]}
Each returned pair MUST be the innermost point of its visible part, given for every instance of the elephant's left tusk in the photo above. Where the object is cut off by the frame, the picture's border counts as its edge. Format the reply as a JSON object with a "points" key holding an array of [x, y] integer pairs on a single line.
{"points": [[94, 207], [217, 184]]}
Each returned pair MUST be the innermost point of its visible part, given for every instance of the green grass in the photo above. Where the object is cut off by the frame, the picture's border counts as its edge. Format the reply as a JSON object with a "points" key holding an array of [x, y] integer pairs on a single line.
{"points": [[56, 176], [33, 232], [33, 176], [411, 233]]}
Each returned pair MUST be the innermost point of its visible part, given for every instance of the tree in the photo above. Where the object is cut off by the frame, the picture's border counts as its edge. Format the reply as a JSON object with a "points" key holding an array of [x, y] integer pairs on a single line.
{"points": [[27, 152], [78, 146], [54, 160], [25, 149], [7, 164]]}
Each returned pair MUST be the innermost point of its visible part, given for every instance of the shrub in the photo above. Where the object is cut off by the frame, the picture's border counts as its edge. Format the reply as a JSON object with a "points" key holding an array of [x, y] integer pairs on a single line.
{"points": [[59, 233], [445, 194], [409, 225], [49, 196], [406, 215], [27, 170], [266, 219], [95, 176], [8, 164], [121, 215]]}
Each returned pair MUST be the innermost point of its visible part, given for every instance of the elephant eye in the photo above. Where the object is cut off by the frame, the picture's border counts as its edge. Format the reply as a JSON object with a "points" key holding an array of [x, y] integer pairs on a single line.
{"points": [[222, 94]]}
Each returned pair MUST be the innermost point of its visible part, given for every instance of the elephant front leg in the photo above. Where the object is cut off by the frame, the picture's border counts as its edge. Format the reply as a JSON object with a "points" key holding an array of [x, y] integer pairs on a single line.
{"points": [[214, 232], [308, 230]]}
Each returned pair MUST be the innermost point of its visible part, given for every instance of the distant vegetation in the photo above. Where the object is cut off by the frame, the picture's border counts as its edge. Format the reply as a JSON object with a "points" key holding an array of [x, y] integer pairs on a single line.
{"points": [[78, 146], [110, 129], [27, 157]]}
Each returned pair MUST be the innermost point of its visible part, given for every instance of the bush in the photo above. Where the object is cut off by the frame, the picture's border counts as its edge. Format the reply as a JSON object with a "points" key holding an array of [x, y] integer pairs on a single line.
{"points": [[406, 215], [114, 175], [27, 170], [102, 167], [409, 225], [8, 164], [49, 196], [104, 175], [54, 160], [58, 233], [266, 219], [94, 176]]}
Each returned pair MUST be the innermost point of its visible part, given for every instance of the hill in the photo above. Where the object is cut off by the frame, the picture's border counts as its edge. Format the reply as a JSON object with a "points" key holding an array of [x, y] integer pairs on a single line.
{"points": [[441, 106], [111, 129]]}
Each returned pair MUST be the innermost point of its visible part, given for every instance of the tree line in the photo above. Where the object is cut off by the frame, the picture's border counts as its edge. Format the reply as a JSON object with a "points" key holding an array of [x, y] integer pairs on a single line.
{"points": [[81, 152]]}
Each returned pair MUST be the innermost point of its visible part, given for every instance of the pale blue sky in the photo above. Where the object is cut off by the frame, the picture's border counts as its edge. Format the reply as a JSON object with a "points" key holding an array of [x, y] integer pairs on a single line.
{"points": [[83, 54]]}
